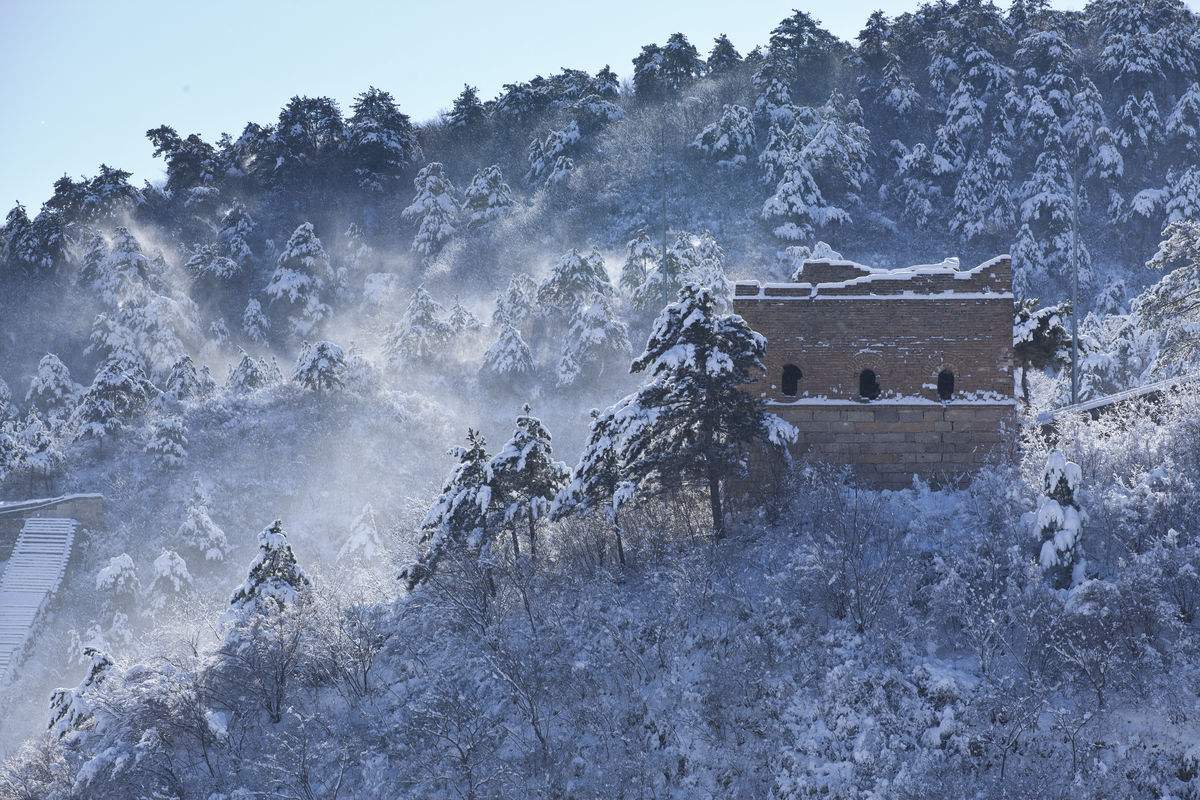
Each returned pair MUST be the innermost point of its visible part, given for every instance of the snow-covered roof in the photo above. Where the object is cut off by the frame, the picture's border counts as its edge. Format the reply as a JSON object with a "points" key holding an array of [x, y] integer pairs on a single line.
{"points": [[42, 502], [846, 280]]}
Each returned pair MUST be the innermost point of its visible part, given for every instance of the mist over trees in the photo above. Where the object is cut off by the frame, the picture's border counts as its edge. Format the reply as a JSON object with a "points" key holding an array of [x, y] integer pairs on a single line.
{"points": [[426, 459]]}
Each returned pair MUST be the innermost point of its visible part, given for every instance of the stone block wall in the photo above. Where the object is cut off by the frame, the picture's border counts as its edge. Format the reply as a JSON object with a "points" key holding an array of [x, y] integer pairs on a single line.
{"points": [[887, 444]]}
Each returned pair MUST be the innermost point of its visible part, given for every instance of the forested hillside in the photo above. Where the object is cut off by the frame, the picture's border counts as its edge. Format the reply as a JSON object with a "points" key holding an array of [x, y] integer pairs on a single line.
{"points": [[300, 318]]}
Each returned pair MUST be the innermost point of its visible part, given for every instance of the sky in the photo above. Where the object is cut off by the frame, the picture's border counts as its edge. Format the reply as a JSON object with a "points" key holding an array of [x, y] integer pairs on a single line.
{"points": [[84, 80]]}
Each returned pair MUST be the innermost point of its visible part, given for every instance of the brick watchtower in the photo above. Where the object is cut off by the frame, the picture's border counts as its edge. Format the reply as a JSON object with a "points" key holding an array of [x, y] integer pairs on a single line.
{"points": [[896, 372]]}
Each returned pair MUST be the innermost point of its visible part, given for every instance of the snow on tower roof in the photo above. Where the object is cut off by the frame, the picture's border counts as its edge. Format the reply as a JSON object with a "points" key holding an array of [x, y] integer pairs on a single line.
{"points": [[829, 279]]}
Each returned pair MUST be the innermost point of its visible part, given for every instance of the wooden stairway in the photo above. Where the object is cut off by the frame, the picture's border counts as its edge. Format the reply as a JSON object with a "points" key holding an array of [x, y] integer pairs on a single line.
{"points": [[33, 573]]}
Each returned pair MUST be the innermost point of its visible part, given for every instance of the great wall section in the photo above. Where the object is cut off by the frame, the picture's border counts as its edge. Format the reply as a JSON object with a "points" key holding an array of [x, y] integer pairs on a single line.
{"points": [[37, 541]]}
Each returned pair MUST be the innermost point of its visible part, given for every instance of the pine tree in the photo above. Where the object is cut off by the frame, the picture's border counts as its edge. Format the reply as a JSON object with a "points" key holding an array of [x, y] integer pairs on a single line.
{"points": [[52, 391], [596, 481], [198, 535], [1183, 201], [508, 362], [116, 275], [383, 145], [983, 206], [1183, 126], [487, 199], [168, 441], [596, 342], [255, 324], [117, 394], [467, 111], [1170, 306], [275, 580], [639, 259], [693, 419], [515, 305], [525, 478], [797, 208], [458, 520], [576, 280], [118, 586], [238, 235], [171, 585], [185, 382], [723, 57], [436, 207], [73, 710], [1040, 338], [421, 335], [663, 282], [247, 375], [41, 458], [321, 367], [1060, 523], [1046, 209], [301, 276], [364, 544], [681, 63], [729, 140]]}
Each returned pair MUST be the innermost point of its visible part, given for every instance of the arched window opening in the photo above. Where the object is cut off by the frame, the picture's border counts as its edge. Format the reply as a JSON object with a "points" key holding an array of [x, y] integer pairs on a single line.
{"points": [[945, 384], [868, 384], [790, 384]]}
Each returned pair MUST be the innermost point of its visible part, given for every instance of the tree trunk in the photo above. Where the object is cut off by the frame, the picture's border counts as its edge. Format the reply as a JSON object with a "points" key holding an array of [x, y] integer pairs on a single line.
{"points": [[532, 535], [516, 544], [1025, 385], [714, 498], [620, 543]]}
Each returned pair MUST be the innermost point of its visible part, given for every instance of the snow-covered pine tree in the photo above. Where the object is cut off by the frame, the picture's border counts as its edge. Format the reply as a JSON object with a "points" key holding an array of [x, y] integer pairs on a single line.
{"points": [[1170, 306], [1183, 198], [167, 442], [171, 584], [321, 366], [120, 273], [596, 341], [1046, 209], [576, 280], [458, 520], [640, 255], [730, 140], [467, 112], [487, 198], [421, 335], [255, 324], [238, 236], [436, 206], [302, 274], [364, 543], [118, 586], [693, 420], [185, 382], [41, 457], [247, 375], [198, 536], [8, 409], [596, 480], [508, 363], [117, 394], [1060, 523], [1040, 338], [515, 305], [74, 710], [983, 206], [525, 478], [52, 391], [664, 280], [464, 329], [1183, 127], [723, 57], [797, 208], [275, 580], [382, 144]]}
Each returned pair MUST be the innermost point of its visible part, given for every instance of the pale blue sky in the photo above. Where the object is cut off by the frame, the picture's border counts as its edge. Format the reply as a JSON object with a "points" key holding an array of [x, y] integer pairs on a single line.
{"points": [[84, 79]]}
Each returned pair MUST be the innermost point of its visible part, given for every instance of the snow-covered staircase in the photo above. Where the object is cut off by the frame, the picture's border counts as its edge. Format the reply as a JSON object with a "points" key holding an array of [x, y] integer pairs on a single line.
{"points": [[33, 572]]}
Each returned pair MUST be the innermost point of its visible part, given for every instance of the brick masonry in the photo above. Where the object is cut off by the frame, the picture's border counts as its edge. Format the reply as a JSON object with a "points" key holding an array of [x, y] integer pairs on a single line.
{"points": [[907, 326]]}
